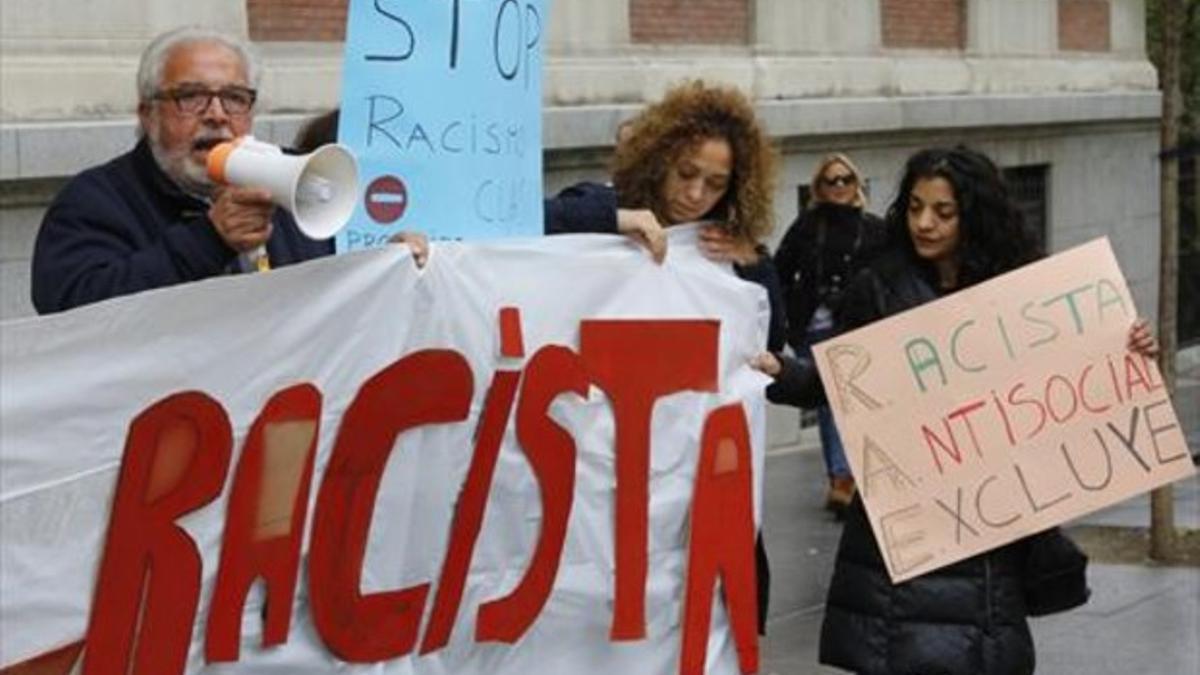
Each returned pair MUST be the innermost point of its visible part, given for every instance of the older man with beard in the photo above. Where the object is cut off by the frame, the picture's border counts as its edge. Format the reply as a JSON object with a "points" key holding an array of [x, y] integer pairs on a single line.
{"points": [[151, 217]]}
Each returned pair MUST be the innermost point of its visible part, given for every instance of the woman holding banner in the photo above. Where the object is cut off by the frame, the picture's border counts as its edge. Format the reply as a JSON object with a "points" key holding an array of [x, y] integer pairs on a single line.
{"points": [[951, 225], [698, 156]]}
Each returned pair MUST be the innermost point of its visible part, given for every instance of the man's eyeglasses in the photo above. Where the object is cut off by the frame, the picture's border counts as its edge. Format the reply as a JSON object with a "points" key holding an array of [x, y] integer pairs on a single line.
{"points": [[839, 181], [195, 100]]}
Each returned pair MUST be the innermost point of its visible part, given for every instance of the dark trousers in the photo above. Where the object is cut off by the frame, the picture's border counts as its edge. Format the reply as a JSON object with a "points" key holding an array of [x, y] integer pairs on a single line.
{"points": [[763, 574]]}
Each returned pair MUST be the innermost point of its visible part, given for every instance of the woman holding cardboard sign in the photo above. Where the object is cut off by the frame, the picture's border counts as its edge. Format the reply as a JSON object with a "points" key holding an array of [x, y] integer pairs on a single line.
{"points": [[952, 225]]}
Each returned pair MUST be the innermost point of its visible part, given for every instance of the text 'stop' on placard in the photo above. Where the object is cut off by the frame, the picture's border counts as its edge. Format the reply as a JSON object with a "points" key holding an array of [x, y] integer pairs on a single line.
{"points": [[441, 103]]}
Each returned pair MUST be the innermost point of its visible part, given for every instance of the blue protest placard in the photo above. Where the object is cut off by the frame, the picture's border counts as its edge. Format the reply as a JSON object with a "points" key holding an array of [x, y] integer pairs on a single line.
{"points": [[441, 103]]}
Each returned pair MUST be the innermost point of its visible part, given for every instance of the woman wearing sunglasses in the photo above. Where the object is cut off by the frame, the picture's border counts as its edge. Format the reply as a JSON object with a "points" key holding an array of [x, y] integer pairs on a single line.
{"points": [[700, 154], [820, 253]]}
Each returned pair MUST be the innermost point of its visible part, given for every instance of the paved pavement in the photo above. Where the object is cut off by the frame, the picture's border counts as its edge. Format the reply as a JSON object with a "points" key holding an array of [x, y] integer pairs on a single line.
{"points": [[1142, 619]]}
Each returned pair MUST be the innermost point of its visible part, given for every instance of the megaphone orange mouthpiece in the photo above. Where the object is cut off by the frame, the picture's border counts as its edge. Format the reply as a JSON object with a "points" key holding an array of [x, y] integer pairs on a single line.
{"points": [[320, 189], [217, 158]]}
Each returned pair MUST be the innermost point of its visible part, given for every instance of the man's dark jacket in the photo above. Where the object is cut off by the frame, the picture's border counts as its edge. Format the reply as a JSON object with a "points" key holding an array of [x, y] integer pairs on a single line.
{"points": [[124, 227]]}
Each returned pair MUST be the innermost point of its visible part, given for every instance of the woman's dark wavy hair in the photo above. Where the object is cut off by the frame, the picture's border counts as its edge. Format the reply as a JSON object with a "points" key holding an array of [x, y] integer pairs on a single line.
{"points": [[687, 114], [993, 238]]}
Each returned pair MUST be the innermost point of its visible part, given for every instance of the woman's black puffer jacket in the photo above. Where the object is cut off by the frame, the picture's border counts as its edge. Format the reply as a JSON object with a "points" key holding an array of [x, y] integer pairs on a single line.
{"points": [[968, 618]]}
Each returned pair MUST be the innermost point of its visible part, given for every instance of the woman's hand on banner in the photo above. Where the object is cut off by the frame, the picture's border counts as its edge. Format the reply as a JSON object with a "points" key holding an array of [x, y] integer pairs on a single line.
{"points": [[641, 226], [767, 363], [417, 242]]}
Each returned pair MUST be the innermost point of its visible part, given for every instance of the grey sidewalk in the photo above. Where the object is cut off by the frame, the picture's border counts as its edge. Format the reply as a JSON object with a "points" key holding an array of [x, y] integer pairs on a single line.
{"points": [[1142, 619]]}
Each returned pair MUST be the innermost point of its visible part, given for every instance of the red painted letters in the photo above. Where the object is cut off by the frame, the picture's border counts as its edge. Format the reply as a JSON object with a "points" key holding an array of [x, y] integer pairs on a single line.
{"points": [[175, 461], [722, 542], [178, 452], [551, 453], [427, 387], [264, 522], [636, 363]]}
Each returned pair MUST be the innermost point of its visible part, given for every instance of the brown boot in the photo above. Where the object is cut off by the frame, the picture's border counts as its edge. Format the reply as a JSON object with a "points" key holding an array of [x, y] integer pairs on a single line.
{"points": [[841, 492]]}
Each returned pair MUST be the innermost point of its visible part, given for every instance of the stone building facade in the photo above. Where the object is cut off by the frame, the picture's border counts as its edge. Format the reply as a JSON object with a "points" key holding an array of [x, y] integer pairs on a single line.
{"points": [[1058, 91]]}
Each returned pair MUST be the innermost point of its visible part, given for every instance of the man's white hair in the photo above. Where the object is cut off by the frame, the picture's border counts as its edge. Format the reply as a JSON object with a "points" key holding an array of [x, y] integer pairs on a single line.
{"points": [[154, 58]]}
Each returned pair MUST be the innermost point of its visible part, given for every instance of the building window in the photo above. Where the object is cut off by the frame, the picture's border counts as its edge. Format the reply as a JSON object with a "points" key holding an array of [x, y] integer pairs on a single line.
{"points": [[1084, 25], [923, 24], [1027, 186], [690, 21], [296, 20]]}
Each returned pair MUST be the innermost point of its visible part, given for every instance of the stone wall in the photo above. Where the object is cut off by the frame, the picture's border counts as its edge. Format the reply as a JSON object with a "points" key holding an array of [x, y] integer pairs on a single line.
{"points": [[1062, 83]]}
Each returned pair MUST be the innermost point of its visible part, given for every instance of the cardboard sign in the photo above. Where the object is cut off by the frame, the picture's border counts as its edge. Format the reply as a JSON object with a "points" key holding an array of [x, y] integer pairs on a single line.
{"points": [[1001, 410], [442, 105], [445, 470]]}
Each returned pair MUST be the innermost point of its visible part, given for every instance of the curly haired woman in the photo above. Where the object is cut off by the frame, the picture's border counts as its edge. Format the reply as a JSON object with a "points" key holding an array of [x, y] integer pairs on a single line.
{"points": [[697, 156]]}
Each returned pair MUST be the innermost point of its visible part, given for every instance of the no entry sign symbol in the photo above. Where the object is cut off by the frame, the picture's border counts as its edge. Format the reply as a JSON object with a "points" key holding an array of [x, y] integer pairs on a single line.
{"points": [[386, 199]]}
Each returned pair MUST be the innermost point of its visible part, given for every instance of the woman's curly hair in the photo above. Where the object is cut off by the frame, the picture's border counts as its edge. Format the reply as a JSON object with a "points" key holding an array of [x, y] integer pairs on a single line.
{"points": [[689, 114], [993, 238]]}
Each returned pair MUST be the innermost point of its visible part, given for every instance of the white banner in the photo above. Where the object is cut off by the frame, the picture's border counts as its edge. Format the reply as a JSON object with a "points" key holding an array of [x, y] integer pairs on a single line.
{"points": [[74, 383]]}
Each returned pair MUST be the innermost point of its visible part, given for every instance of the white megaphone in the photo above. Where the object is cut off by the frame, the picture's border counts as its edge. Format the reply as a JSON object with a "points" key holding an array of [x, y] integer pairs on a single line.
{"points": [[320, 188]]}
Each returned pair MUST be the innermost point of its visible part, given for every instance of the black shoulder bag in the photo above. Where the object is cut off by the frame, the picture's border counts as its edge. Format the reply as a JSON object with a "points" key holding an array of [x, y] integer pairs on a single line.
{"points": [[1054, 576]]}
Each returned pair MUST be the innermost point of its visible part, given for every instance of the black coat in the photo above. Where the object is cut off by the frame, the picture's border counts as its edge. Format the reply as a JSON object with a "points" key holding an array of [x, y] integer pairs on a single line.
{"points": [[968, 618], [580, 208], [819, 255], [124, 227]]}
